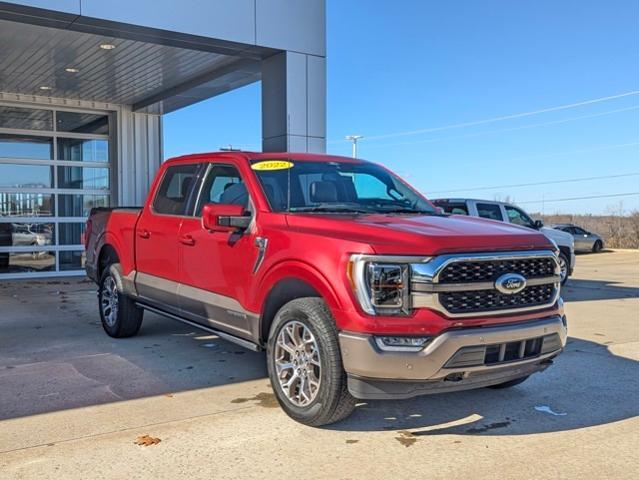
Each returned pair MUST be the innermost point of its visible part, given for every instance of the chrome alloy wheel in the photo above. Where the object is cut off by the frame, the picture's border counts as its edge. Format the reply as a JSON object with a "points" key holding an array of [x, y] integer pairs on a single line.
{"points": [[563, 265], [297, 363], [109, 301]]}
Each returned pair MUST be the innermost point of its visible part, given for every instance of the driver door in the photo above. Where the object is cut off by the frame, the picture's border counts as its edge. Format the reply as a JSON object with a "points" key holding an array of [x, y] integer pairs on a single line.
{"points": [[215, 267]]}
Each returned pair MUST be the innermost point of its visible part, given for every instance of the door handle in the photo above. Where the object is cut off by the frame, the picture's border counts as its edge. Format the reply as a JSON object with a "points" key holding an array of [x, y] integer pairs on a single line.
{"points": [[187, 240], [144, 234]]}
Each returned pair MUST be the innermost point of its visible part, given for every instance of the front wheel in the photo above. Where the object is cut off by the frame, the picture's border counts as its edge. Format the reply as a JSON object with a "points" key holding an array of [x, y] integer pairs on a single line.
{"points": [[596, 248], [305, 364], [120, 316], [564, 265]]}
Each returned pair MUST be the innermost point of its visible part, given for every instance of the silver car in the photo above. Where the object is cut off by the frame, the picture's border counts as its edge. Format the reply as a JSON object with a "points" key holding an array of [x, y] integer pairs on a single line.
{"points": [[585, 241]]}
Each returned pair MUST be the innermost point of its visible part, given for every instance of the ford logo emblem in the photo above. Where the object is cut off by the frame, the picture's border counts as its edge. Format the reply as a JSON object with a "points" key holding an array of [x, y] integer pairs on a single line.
{"points": [[510, 283]]}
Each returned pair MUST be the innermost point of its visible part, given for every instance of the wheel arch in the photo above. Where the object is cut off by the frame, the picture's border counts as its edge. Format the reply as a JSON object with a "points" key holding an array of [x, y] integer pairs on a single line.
{"points": [[288, 282]]}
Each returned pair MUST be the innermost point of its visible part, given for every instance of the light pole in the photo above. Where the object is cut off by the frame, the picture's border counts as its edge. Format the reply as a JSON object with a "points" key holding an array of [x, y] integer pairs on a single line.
{"points": [[354, 139]]}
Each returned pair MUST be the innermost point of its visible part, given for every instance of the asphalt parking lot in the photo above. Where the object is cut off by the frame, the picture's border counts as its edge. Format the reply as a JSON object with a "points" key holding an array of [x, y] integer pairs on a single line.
{"points": [[73, 401]]}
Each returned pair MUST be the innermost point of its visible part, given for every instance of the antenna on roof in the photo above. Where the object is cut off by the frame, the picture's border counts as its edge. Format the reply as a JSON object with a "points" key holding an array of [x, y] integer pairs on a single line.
{"points": [[230, 148]]}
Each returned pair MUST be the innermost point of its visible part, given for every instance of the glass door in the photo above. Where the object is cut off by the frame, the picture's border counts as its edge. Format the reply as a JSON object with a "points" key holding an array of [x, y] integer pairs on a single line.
{"points": [[54, 167]]}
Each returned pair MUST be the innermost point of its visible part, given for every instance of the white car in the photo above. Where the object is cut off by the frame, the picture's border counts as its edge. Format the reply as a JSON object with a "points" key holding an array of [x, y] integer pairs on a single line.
{"points": [[508, 213]]}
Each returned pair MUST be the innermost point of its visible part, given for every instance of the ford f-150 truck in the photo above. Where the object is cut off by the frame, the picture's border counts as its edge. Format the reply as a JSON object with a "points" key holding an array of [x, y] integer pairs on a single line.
{"points": [[355, 285]]}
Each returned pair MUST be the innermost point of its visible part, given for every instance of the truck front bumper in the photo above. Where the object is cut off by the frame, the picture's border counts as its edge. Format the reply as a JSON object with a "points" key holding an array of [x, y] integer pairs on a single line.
{"points": [[454, 360]]}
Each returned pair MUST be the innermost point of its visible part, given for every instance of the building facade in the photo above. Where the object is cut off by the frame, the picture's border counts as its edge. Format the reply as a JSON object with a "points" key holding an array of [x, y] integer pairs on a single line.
{"points": [[84, 85]]}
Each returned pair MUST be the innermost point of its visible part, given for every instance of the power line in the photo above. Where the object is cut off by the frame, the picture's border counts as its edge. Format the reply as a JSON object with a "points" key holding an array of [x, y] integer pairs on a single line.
{"points": [[580, 198], [504, 117], [510, 129], [534, 184]]}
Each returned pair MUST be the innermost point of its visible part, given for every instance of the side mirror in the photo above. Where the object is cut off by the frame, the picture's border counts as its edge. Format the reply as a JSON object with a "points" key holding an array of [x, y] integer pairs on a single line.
{"points": [[218, 217], [538, 224]]}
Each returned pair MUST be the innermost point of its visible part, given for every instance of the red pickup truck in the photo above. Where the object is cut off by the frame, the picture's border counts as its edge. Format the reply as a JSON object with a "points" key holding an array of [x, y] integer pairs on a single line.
{"points": [[353, 283]]}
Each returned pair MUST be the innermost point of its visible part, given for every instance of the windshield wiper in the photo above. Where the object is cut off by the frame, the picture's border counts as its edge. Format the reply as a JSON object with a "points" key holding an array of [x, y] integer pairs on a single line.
{"points": [[405, 210], [330, 209]]}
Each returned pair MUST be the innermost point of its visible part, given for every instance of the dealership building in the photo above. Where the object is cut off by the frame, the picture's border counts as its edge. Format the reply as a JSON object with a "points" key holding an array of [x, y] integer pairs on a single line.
{"points": [[84, 85]]}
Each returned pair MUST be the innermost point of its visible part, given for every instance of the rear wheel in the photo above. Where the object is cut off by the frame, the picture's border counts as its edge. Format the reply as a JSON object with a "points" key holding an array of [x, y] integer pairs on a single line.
{"points": [[596, 248], [510, 383], [305, 364], [120, 316]]}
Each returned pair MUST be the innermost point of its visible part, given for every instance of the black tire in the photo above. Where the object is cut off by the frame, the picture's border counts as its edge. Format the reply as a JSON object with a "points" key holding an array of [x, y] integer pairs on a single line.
{"points": [[122, 318], [596, 248], [510, 383], [562, 257], [332, 401]]}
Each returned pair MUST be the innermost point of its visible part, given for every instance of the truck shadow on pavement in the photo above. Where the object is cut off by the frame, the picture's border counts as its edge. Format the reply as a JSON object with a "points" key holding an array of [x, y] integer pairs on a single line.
{"points": [[580, 290], [587, 386]]}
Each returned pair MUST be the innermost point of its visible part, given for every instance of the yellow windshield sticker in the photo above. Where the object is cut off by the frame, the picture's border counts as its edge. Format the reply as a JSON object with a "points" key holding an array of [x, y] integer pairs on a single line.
{"points": [[272, 165]]}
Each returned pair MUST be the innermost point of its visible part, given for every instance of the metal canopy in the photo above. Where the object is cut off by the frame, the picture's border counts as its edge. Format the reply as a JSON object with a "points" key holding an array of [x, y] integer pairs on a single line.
{"points": [[153, 77]]}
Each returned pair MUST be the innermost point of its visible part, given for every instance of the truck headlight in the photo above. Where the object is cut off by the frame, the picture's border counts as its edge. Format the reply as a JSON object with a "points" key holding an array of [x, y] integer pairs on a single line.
{"points": [[381, 283]]}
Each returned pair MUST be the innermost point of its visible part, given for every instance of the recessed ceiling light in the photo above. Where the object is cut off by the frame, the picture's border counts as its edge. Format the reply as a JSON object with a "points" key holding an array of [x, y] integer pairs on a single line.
{"points": [[71, 70], [44, 87], [107, 46]]}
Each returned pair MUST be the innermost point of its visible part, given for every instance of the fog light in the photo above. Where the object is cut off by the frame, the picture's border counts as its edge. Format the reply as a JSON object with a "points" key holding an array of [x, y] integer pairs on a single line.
{"points": [[402, 343]]}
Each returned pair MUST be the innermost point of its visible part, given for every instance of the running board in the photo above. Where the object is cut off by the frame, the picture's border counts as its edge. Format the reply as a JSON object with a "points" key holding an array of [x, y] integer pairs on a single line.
{"points": [[226, 336]]}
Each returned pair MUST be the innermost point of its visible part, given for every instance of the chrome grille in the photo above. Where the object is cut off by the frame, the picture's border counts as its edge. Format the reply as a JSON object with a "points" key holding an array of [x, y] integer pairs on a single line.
{"points": [[491, 300], [482, 271], [464, 285]]}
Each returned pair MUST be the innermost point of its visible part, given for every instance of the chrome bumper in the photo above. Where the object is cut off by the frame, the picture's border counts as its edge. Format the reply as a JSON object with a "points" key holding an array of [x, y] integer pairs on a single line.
{"points": [[453, 360]]}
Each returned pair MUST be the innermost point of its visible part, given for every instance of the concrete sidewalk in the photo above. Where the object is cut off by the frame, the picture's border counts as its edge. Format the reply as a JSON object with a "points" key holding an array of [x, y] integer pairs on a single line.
{"points": [[73, 401]]}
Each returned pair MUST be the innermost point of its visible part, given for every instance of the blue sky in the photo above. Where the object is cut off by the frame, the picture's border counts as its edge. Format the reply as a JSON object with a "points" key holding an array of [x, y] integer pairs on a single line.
{"points": [[405, 66]]}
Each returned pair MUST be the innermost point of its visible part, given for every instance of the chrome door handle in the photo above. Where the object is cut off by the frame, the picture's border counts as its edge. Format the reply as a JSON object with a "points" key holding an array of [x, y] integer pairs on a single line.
{"points": [[187, 240], [144, 234]]}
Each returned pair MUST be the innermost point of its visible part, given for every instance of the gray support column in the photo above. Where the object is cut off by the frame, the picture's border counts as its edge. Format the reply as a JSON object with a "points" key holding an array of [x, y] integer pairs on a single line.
{"points": [[294, 103], [140, 154]]}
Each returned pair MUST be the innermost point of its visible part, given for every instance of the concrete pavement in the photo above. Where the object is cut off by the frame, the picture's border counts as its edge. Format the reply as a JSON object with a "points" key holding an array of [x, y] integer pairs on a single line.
{"points": [[73, 401]]}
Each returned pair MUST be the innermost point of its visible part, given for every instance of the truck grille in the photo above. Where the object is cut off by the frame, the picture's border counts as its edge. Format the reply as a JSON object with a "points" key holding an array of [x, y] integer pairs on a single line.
{"points": [[466, 285], [491, 300], [482, 271]]}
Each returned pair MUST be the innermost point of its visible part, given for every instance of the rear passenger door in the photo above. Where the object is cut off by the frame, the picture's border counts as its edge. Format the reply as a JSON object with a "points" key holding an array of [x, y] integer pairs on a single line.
{"points": [[156, 243]]}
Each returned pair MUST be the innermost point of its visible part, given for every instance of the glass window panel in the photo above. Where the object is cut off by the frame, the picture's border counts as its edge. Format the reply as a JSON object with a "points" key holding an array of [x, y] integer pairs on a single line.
{"points": [[24, 146], [70, 233], [489, 210], [25, 118], [73, 260], [25, 176], [80, 150], [26, 205], [29, 234], [83, 178], [82, 122], [23, 262], [80, 205], [173, 192]]}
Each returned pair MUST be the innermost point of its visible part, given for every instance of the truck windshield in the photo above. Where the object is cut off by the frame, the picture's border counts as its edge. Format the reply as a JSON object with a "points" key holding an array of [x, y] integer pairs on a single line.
{"points": [[336, 187]]}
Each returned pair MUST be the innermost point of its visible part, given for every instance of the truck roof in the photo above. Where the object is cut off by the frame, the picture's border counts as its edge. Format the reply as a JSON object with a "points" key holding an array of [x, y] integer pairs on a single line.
{"points": [[309, 157]]}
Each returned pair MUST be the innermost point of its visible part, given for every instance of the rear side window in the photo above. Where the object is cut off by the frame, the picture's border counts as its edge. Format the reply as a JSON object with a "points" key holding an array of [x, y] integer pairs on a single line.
{"points": [[453, 208], [173, 193], [489, 210]]}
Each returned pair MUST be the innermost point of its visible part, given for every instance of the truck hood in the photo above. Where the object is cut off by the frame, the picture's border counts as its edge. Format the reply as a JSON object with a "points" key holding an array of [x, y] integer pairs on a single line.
{"points": [[421, 235]]}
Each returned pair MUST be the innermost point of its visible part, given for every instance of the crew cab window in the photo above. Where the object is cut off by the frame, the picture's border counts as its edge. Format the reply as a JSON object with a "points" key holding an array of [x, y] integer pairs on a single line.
{"points": [[453, 208], [489, 210], [222, 184], [173, 193], [519, 217]]}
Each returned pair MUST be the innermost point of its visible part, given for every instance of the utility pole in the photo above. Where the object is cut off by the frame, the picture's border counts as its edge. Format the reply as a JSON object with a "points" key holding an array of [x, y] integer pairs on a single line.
{"points": [[354, 139]]}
